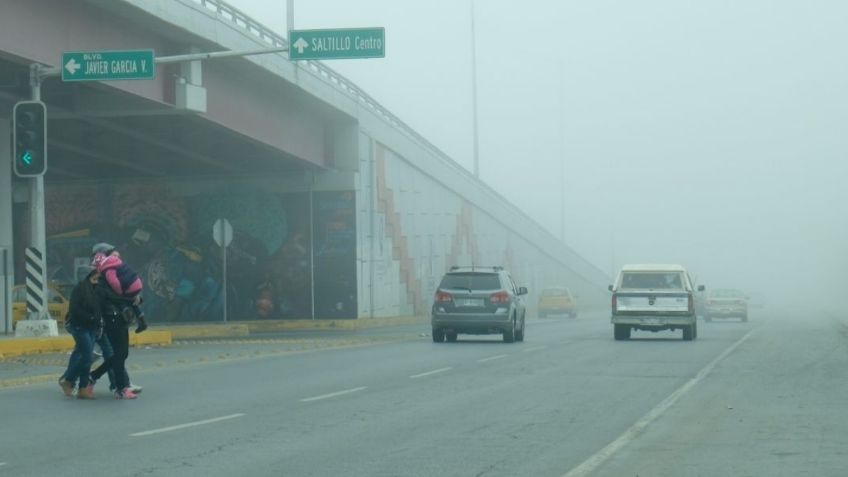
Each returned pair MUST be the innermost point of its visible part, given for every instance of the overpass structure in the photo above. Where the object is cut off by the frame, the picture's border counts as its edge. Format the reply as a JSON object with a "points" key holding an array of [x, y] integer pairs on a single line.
{"points": [[339, 209]]}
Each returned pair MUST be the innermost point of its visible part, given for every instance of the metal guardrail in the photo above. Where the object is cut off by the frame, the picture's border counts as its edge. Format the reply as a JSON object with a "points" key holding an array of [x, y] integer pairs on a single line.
{"points": [[228, 13]]}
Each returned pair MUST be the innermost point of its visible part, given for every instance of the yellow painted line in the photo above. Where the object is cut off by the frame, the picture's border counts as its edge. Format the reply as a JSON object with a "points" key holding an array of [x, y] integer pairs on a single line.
{"points": [[13, 347]]}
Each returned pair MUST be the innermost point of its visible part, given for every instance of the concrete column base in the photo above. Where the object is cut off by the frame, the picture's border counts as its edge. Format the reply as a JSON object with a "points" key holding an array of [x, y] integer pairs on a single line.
{"points": [[36, 328]]}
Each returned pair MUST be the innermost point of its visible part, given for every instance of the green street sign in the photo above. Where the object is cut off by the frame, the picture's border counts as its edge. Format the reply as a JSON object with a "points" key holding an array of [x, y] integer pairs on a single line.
{"points": [[107, 65], [337, 44]]}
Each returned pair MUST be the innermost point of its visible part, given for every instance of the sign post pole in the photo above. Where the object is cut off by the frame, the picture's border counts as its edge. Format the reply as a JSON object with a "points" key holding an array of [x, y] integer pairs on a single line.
{"points": [[222, 233]]}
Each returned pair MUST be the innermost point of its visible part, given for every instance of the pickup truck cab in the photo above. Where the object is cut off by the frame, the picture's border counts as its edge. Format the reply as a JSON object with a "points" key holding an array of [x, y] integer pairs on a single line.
{"points": [[653, 297]]}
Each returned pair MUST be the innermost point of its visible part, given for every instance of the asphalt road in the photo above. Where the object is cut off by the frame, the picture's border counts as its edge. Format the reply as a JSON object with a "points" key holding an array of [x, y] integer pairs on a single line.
{"points": [[768, 397]]}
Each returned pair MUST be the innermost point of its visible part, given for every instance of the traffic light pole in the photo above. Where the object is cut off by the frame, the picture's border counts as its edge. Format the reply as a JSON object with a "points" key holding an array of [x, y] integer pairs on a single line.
{"points": [[37, 219]]}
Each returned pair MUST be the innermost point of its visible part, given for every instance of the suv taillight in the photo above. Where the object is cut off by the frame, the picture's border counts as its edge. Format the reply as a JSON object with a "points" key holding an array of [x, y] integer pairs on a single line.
{"points": [[499, 297], [691, 303], [443, 297], [614, 302]]}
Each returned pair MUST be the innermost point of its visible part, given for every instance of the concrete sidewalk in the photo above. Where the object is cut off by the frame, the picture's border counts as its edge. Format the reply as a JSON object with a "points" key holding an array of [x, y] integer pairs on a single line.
{"points": [[164, 335]]}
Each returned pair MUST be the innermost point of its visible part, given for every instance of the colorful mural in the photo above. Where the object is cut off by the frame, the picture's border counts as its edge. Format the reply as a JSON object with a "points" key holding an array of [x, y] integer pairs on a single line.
{"points": [[167, 237]]}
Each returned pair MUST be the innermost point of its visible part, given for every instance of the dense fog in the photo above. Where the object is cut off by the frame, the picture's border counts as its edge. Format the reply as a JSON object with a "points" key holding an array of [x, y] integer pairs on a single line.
{"points": [[709, 133]]}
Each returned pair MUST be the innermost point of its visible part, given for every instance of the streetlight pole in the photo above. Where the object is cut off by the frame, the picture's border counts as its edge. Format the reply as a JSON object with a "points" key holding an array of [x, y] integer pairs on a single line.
{"points": [[474, 94], [289, 16], [561, 169]]}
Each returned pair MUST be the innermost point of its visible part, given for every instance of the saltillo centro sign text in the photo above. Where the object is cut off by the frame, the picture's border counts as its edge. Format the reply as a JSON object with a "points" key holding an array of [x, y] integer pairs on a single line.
{"points": [[337, 44]]}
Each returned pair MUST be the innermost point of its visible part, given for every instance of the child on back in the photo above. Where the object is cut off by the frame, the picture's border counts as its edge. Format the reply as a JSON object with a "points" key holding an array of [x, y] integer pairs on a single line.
{"points": [[124, 282]]}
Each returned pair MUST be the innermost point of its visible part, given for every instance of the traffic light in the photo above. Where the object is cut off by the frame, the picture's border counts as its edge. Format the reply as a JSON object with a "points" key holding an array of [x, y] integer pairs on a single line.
{"points": [[29, 138]]}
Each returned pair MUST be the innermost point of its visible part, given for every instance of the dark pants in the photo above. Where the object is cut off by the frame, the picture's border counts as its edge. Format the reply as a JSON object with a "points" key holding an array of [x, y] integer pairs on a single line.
{"points": [[79, 364], [106, 350], [116, 331]]}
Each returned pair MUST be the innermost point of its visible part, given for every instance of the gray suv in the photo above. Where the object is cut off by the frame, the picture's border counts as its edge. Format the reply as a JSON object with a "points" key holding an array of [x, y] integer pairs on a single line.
{"points": [[478, 301]]}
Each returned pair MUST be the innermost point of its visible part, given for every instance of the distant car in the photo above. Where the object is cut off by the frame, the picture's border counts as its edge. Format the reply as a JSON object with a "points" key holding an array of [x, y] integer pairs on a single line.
{"points": [[557, 301], [726, 303], [57, 304], [478, 301]]}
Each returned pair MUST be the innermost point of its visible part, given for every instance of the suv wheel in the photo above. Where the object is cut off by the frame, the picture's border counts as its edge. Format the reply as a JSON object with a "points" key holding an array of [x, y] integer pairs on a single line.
{"points": [[519, 334], [509, 335], [438, 335]]}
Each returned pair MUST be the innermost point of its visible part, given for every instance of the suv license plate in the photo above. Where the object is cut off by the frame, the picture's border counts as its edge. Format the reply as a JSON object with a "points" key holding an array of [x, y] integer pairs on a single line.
{"points": [[469, 302]]}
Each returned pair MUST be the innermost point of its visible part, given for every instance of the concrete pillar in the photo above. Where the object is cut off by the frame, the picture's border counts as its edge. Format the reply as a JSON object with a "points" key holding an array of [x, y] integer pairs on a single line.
{"points": [[7, 279]]}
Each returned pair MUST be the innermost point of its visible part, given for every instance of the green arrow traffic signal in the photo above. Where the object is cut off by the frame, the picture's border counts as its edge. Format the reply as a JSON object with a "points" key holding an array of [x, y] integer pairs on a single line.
{"points": [[29, 130]]}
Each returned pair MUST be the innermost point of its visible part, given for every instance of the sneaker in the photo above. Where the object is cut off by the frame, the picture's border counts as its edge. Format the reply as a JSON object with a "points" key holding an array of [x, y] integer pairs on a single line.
{"points": [[135, 388], [67, 387], [125, 394]]}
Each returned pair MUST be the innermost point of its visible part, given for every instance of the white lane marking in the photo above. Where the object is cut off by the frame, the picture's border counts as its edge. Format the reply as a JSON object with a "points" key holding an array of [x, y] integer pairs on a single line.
{"points": [[428, 373], [592, 463], [339, 393], [537, 348], [492, 358], [2, 463], [183, 426]]}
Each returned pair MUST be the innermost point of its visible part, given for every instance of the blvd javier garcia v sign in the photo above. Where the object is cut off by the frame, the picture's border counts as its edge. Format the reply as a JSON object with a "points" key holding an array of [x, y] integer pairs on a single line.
{"points": [[107, 65], [337, 44]]}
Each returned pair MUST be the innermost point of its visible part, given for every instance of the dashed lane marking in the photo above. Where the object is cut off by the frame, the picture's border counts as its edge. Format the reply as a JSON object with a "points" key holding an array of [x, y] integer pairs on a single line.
{"points": [[428, 373], [592, 463], [492, 358], [339, 393], [187, 425]]}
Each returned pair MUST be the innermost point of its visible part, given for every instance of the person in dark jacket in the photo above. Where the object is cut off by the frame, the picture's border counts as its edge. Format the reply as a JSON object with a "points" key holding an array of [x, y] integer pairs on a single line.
{"points": [[116, 328], [84, 323]]}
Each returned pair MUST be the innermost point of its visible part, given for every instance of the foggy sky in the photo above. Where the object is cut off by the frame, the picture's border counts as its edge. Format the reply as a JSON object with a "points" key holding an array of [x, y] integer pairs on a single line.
{"points": [[709, 133]]}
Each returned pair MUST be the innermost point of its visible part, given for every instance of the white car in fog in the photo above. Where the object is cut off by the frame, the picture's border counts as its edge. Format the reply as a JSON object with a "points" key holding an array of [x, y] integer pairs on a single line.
{"points": [[653, 297]]}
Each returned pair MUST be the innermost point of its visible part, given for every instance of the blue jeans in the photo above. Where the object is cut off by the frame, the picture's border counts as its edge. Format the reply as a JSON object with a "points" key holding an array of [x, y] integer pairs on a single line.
{"points": [[79, 364], [107, 351]]}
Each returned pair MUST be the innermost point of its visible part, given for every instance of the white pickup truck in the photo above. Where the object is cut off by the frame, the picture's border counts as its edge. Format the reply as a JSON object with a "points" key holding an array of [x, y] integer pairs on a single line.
{"points": [[653, 298]]}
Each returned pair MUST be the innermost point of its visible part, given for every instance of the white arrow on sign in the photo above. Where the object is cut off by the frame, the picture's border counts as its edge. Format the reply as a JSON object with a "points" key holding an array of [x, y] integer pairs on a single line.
{"points": [[72, 66], [301, 44]]}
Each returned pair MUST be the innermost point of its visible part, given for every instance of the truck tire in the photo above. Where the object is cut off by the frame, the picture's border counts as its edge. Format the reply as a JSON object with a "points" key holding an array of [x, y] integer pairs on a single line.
{"points": [[451, 336], [689, 332], [621, 332]]}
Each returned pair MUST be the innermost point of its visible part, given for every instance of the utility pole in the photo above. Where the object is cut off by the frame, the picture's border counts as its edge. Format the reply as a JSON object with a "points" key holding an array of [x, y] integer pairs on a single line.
{"points": [[474, 94], [289, 16]]}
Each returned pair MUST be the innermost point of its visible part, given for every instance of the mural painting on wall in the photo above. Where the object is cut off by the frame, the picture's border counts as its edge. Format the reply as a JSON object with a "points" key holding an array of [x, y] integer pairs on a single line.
{"points": [[168, 238], [335, 255]]}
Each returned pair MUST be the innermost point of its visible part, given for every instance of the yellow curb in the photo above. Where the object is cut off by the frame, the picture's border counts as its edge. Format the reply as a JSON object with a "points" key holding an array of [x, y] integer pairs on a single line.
{"points": [[13, 347], [218, 330], [151, 337], [248, 328]]}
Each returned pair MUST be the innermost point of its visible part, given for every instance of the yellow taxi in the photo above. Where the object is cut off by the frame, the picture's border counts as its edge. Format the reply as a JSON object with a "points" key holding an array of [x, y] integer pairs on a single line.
{"points": [[57, 304], [557, 301]]}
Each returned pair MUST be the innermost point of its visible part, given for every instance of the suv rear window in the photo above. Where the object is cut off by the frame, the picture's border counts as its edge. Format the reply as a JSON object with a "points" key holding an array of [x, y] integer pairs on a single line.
{"points": [[473, 281]]}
